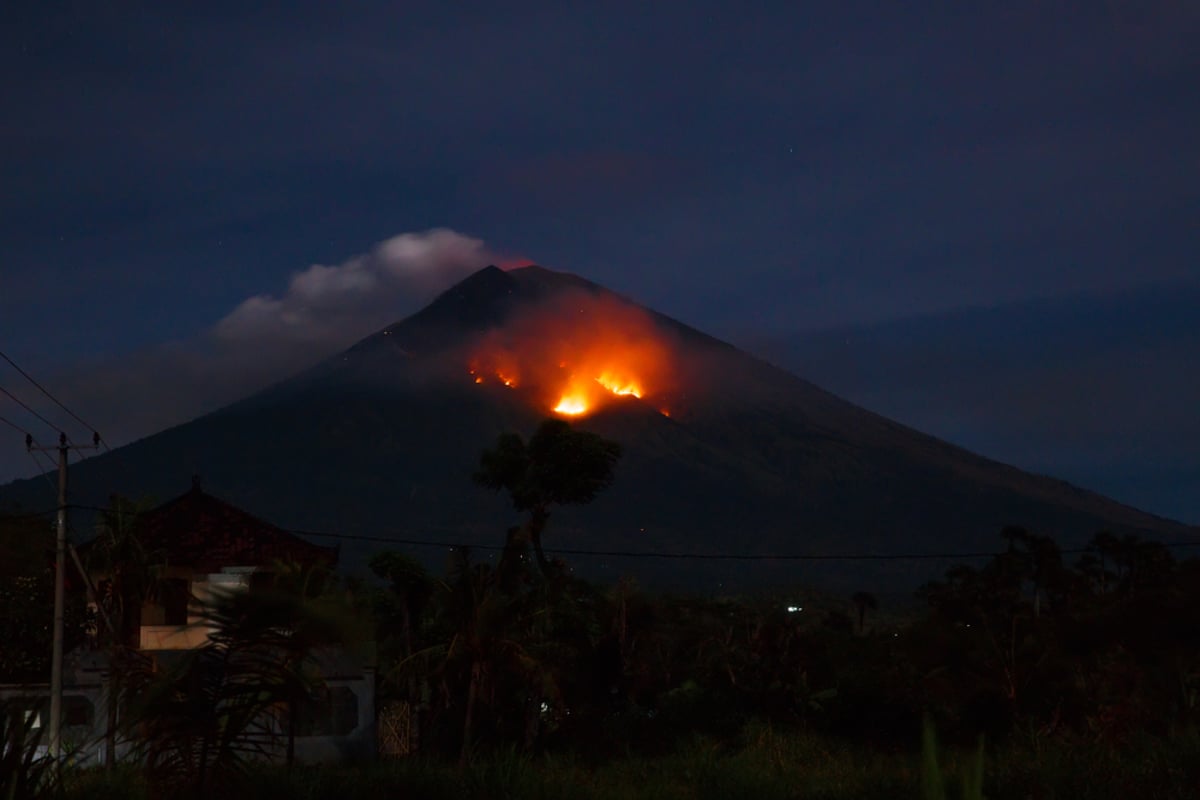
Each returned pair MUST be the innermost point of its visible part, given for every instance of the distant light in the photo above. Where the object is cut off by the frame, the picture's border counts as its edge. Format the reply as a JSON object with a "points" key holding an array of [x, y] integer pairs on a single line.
{"points": [[794, 609]]}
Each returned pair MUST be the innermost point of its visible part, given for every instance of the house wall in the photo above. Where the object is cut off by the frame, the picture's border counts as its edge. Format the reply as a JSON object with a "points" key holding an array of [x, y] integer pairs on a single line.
{"points": [[84, 743], [156, 635], [342, 671], [358, 744], [172, 637], [85, 712]]}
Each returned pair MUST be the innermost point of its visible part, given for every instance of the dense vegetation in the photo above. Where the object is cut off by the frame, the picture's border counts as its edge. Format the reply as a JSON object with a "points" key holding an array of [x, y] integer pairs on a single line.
{"points": [[1024, 650], [1079, 673]]}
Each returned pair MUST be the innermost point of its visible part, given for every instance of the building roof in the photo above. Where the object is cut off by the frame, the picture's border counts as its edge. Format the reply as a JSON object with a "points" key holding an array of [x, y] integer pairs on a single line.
{"points": [[202, 531]]}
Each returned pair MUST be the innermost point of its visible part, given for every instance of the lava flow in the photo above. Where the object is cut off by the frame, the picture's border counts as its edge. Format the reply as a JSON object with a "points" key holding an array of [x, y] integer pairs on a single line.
{"points": [[578, 356], [572, 405], [582, 394]]}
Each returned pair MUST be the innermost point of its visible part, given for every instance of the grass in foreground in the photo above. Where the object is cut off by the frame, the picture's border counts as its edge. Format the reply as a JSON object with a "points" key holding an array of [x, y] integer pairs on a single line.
{"points": [[765, 765]]}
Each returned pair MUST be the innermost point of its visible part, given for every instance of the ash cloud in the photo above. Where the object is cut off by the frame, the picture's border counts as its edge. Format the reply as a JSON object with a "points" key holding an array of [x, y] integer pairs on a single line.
{"points": [[332, 306], [264, 339]]}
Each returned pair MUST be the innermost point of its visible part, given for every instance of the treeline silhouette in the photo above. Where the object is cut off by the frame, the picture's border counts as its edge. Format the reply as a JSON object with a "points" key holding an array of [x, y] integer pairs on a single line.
{"points": [[1027, 645], [520, 655]]}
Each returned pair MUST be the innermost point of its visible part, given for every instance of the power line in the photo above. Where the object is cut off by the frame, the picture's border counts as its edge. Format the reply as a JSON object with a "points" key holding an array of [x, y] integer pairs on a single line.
{"points": [[677, 555], [45, 391], [5, 515], [15, 426], [45, 473], [709, 556], [28, 408]]}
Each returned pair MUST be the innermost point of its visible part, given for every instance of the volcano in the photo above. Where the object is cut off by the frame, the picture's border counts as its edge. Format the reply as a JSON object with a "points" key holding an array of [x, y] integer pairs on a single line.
{"points": [[723, 453]]}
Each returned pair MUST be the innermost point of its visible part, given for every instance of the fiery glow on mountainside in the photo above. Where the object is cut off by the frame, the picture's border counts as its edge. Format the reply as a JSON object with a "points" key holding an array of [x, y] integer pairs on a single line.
{"points": [[506, 375], [572, 405], [578, 355], [619, 385]]}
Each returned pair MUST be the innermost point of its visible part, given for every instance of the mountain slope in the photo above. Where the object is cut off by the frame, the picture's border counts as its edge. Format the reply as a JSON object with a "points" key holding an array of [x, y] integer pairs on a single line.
{"points": [[381, 441]]}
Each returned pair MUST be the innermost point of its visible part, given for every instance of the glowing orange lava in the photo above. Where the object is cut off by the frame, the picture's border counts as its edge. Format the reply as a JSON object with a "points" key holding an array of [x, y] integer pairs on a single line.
{"points": [[576, 357], [575, 399], [619, 385], [573, 406], [582, 395]]}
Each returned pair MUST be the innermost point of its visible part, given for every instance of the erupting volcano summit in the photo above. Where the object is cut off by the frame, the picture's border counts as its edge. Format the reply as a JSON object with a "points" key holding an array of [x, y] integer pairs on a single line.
{"points": [[578, 353], [722, 452]]}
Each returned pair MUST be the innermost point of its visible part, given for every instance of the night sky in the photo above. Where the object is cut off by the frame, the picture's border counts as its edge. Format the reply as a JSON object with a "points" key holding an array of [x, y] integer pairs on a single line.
{"points": [[982, 219]]}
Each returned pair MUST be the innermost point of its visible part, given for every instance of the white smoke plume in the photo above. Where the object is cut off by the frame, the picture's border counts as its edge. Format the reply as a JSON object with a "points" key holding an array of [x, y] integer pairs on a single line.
{"points": [[264, 339], [332, 306]]}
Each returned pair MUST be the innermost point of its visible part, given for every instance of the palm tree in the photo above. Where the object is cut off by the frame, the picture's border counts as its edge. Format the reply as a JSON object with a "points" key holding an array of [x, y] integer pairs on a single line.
{"points": [[25, 769], [484, 651], [130, 579], [201, 719], [409, 590], [558, 466], [1106, 546]]}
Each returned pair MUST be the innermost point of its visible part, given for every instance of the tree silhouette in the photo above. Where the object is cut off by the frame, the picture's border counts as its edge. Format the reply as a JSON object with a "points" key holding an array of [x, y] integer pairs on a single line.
{"points": [[484, 661], [557, 466], [409, 590], [862, 602], [1037, 560], [202, 717], [26, 589], [130, 576]]}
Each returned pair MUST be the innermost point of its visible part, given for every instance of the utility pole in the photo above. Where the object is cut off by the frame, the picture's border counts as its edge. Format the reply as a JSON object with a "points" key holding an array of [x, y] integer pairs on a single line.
{"points": [[60, 568]]}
